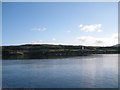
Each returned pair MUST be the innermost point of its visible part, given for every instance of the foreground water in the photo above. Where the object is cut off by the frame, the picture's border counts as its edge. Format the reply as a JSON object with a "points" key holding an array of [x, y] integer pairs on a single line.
{"points": [[95, 71]]}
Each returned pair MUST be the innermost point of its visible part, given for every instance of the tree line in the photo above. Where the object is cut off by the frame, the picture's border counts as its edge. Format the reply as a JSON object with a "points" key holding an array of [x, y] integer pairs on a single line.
{"points": [[31, 51]]}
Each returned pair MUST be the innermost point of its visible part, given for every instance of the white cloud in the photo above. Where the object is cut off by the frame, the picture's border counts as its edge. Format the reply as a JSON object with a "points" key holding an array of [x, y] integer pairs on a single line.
{"points": [[39, 29], [99, 30], [54, 39], [98, 41], [36, 42], [68, 31], [80, 25], [90, 28], [115, 36], [84, 38]]}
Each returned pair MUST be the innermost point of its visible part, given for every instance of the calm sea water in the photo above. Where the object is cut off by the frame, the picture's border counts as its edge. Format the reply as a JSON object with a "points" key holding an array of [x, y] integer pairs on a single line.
{"points": [[95, 71]]}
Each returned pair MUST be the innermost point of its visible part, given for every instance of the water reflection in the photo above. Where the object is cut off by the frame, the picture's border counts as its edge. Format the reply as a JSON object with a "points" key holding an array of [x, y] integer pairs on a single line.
{"points": [[95, 71]]}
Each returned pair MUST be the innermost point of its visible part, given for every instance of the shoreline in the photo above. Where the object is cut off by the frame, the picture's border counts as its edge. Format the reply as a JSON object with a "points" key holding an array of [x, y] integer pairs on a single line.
{"points": [[57, 57], [53, 51]]}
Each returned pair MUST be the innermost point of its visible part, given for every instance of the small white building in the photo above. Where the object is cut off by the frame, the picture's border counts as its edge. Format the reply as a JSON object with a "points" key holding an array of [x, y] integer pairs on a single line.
{"points": [[83, 47]]}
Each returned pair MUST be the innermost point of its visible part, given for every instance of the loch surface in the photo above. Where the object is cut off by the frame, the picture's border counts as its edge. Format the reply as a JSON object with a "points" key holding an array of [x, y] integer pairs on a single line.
{"points": [[94, 71]]}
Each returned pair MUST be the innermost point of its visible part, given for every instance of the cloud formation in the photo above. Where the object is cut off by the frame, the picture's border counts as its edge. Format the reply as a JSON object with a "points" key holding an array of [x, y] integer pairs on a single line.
{"points": [[115, 36], [98, 41], [68, 31], [54, 39], [84, 38], [36, 42], [39, 29], [90, 28]]}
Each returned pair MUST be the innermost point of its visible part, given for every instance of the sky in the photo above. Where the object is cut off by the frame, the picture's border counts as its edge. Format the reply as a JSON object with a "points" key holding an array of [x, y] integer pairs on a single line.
{"points": [[66, 23]]}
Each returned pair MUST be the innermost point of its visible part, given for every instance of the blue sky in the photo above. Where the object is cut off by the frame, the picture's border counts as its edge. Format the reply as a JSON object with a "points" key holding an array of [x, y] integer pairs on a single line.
{"points": [[69, 23]]}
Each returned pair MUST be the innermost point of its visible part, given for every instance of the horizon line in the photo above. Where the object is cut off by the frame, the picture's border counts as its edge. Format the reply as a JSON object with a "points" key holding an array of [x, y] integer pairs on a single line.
{"points": [[60, 44]]}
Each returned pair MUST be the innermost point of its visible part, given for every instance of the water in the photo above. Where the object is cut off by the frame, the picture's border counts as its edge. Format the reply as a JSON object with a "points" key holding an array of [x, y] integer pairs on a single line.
{"points": [[95, 71]]}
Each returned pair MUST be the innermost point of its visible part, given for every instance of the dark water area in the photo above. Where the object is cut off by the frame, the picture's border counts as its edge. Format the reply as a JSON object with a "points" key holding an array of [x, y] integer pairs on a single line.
{"points": [[95, 71]]}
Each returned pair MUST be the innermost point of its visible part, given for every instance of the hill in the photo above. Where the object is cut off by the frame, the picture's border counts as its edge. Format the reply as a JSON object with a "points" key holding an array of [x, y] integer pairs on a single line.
{"points": [[37, 51]]}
